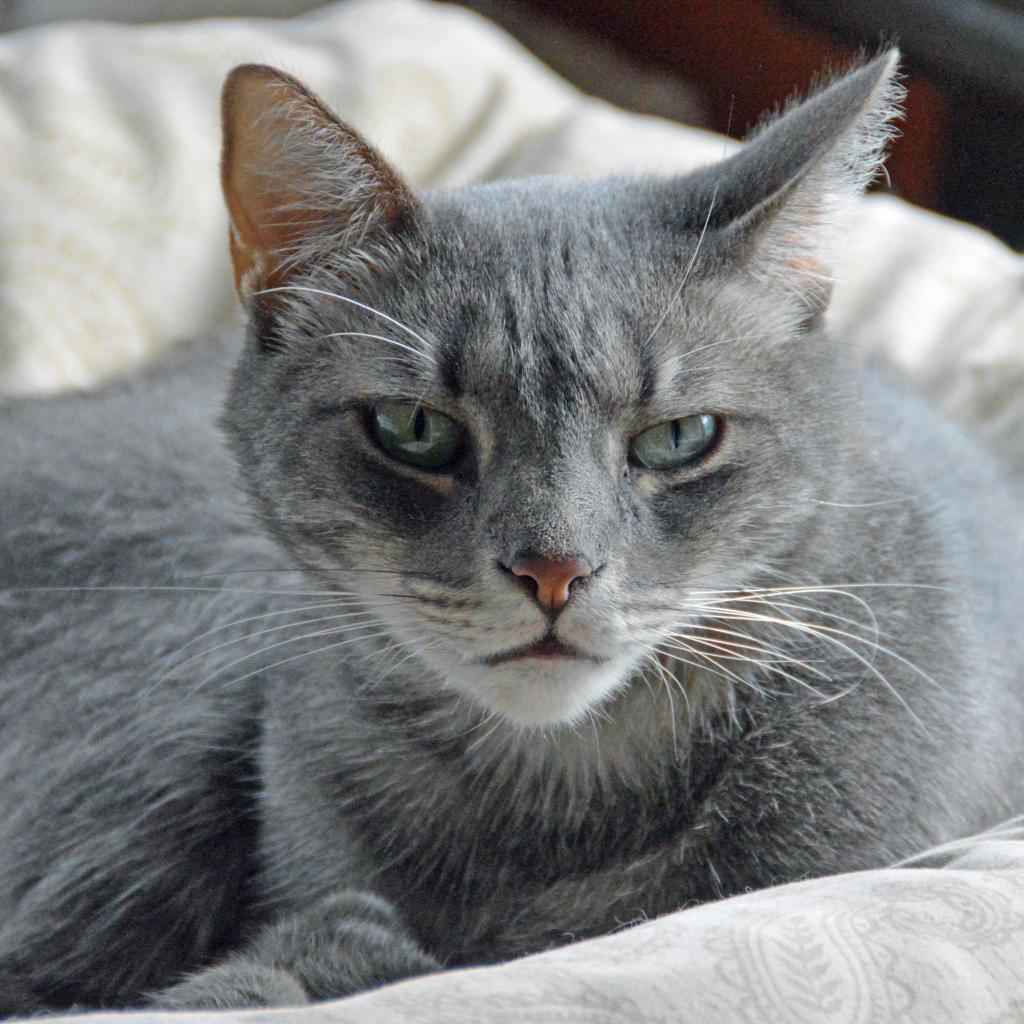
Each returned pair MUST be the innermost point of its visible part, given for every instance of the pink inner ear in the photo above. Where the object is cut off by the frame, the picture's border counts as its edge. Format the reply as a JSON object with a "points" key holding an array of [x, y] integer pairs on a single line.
{"points": [[290, 172], [255, 110]]}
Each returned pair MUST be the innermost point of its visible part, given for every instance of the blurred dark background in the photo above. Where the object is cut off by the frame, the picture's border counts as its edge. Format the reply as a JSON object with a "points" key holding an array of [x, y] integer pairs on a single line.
{"points": [[720, 63], [962, 148]]}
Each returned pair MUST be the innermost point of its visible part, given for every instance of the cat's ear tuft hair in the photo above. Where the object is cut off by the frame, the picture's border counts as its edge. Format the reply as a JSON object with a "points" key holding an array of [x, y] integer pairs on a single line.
{"points": [[300, 185], [791, 193]]}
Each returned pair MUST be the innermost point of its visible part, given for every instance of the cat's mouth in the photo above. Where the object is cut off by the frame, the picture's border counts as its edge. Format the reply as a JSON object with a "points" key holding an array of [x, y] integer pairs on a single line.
{"points": [[548, 646]]}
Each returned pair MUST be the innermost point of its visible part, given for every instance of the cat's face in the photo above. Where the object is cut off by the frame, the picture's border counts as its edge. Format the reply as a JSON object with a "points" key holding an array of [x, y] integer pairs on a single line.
{"points": [[538, 429]]}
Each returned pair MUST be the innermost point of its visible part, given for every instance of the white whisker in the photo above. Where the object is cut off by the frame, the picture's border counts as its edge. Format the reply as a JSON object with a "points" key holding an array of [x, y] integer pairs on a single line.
{"points": [[296, 657], [173, 589], [261, 632], [662, 673], [764, 595], [354, 302], [773, 667], [334, 630], [350, 599], [771, 649], [380, 337], [832, 630], [839, 588], [831, 634], [687, 272]]}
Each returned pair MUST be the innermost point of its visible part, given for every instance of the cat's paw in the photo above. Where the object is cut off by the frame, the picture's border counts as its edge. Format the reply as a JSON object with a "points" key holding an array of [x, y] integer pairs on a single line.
{"points": [[237, 984], [343, 944]]}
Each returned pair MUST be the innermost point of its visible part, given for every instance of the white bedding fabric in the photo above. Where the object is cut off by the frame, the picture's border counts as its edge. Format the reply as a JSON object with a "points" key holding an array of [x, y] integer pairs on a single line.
{"points": [[939, 944], [112, 246]]}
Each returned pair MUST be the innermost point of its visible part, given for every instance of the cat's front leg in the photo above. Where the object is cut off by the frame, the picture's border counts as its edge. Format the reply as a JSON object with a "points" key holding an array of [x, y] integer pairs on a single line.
{"points": [[342, 944]]}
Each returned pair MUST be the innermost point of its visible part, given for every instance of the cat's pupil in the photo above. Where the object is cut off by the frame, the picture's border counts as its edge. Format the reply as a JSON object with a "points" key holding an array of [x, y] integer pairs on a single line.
{"points": [[419, 424]]}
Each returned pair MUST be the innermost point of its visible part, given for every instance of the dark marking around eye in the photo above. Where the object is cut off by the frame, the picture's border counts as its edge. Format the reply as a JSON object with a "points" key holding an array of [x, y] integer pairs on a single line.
{"points": [[325, 411], [707, 485]]}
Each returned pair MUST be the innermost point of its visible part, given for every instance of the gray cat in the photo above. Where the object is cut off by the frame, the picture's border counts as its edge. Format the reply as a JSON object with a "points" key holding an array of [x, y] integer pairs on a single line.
{"points": [[612, 584]]}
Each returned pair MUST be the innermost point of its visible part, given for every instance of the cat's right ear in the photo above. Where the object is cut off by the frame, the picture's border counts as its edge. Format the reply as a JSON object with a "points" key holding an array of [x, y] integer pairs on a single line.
{"points": [[789, 196], [300, 185]]}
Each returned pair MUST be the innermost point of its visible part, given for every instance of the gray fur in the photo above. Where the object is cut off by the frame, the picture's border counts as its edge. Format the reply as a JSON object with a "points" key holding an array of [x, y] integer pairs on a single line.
{"points": [[304, 822]]}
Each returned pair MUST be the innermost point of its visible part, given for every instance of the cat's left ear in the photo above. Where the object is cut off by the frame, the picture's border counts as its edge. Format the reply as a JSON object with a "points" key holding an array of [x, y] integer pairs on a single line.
{"points": [[787, 199], [300, 185]]}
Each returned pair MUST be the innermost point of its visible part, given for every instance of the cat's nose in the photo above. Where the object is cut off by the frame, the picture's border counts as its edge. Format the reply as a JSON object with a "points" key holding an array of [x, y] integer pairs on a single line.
{"points": [[549, 579]]}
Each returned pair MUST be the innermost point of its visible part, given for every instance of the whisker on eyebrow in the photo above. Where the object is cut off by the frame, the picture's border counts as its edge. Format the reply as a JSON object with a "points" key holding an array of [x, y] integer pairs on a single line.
{"points": [[717, 342], [355, 302], [687, 272], [380, 337]]}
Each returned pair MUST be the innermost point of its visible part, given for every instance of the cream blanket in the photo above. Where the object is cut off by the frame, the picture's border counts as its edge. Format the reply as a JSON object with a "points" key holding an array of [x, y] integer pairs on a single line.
{"points": [[112, 246]]}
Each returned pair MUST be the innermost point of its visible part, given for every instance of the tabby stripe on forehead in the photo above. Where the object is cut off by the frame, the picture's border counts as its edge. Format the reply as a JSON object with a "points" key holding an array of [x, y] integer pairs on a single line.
{"points": [[648, 373], [510, 322], [450, 369]]}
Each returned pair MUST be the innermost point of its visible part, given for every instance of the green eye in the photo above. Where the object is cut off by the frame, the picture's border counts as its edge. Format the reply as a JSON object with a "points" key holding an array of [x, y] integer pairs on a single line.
{"points": [[414, 435], [675, 443]]}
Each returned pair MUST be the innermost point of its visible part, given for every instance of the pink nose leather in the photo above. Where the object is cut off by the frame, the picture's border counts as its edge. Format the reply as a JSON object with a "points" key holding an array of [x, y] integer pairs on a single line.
{"points": [[553, 577]]}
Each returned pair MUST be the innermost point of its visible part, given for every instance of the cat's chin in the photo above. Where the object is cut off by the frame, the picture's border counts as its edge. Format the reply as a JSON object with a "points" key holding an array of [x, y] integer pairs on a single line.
{"points": [[538, 692]]}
